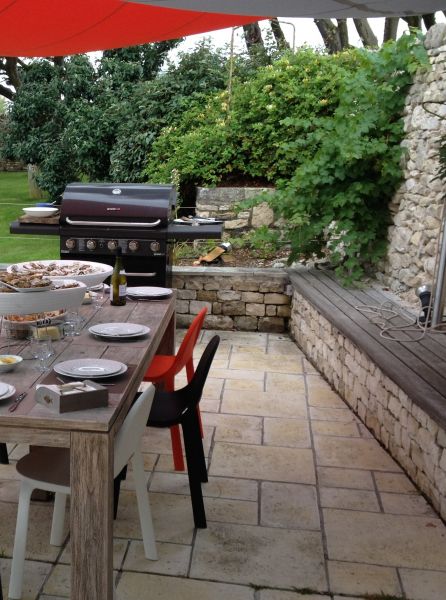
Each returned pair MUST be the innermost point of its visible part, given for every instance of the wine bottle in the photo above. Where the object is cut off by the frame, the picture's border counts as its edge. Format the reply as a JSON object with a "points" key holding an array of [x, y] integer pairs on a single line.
{"points": [[118, 283]]}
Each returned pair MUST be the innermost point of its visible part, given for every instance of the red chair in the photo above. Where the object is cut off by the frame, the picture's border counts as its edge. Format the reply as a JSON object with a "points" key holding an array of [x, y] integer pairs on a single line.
{"points": [[162, 371]]}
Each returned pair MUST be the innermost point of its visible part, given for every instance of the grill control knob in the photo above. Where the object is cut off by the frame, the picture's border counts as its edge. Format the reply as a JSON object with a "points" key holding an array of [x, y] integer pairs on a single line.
{"points": [[133, 245], [91, 244], [154, 246], [70, 244], [112, 244]]}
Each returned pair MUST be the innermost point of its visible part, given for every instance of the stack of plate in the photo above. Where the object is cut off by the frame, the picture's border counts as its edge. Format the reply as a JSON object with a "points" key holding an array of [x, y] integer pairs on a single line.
{"points": [[90, 368], [148, 293], [119, 330], [6, 391]]}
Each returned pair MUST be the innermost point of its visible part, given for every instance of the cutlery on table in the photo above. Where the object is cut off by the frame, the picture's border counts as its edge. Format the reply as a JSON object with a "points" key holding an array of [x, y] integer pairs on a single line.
{"points": [[17, 401], [68, 383]]}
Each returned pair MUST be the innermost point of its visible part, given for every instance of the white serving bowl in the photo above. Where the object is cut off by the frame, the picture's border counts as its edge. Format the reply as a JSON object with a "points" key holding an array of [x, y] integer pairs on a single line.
{"points": [[101, 270], [40, 211], [9, 366], [15, 303]]}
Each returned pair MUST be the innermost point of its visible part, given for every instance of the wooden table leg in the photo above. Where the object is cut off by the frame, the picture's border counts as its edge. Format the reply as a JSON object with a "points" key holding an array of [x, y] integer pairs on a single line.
{"points": [[91, 525], [167, 344]]}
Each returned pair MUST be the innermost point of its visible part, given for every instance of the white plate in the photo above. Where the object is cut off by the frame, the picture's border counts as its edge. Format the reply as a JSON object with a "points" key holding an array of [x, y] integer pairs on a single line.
{"points": [[40, 211], [118, 329], [89, 367], [100, 270], [149, 292], [9, 393], [89, 376], [4, 387]]}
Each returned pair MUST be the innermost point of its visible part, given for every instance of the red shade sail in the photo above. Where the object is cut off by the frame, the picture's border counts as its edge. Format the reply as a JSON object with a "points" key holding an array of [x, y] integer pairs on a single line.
{"points": [[61, 27]]}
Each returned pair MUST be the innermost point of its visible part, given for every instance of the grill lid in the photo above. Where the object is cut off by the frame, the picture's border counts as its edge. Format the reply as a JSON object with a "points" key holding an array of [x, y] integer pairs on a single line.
{"points": [[117, 204]]}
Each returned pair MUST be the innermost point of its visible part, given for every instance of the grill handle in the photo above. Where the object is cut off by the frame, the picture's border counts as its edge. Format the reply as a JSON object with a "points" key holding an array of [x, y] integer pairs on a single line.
{"points": [[112, 223], [140, 274]]}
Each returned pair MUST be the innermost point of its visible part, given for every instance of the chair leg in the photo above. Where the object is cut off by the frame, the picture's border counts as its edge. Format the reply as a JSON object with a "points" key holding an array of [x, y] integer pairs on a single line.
{"points": [[145, 514], [21, 533], [117, 489], [60, 501], [177, 448], [194, 456], [3, 456]]}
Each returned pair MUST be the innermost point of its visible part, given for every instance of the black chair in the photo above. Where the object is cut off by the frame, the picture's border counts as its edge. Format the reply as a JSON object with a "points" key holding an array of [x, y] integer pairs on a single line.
{"points": [[3, 458], [180, 408]]}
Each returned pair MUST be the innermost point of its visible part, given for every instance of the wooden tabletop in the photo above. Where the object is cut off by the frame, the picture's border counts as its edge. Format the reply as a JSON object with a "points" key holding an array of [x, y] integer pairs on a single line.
{"points": [[136, 354]]}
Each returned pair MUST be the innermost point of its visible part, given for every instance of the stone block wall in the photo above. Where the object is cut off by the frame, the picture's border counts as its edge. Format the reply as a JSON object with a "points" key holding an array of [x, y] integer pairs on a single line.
{"points": [[414, 440], [10, 165], [417, 205], [236, 298], [220, 203]]}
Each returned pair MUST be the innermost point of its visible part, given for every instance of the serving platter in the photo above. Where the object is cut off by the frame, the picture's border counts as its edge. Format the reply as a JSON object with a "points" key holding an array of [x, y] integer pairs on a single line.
{"points": [[88, 272]]}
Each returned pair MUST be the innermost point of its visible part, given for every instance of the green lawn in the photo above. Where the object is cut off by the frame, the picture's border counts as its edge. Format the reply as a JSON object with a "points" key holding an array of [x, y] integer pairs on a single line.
{"points": [[17, 248]]}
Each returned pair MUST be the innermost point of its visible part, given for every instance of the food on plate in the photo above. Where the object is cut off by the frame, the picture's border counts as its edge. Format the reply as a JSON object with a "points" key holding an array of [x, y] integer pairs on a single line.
{"points": [[65, 285], [56, 269], [54, 314], [23, 281], [7, 360]]}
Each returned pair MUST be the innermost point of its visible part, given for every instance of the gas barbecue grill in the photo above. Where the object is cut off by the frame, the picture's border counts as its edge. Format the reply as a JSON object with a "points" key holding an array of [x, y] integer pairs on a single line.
{"points": [[97, 218]]}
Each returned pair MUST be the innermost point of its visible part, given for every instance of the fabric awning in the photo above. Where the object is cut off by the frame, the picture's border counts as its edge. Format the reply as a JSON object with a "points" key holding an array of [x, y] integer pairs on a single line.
{"points": [[340, 9], [61, 27]]}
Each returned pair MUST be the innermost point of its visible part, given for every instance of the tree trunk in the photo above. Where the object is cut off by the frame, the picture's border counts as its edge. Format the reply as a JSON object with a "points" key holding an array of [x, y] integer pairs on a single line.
{"points": [[343, 33], [413, 22], [429, 20], [279, 36], [253, 36], [34, 191], [330, 35], [390, 28], [368, 38], [12, 72]]}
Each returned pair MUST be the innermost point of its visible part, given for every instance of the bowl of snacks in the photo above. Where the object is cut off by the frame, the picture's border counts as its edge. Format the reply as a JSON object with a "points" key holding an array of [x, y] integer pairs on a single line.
{"points": [[8, 362], [87, 272]]}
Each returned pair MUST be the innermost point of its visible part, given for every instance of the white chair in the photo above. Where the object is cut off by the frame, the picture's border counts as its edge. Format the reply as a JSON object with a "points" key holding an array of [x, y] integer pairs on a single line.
{"points": [[49, 469]]}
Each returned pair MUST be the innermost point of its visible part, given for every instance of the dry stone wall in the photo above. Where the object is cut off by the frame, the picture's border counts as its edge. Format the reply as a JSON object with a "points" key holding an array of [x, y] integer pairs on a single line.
{"points": [[416, 442], [221, 203], [417, 206], [236, 298]]}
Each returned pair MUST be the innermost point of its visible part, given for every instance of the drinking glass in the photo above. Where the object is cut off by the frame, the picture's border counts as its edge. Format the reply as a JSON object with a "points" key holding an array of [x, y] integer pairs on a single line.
{"points": [[42, 349], [97, 295], [73, 324]]}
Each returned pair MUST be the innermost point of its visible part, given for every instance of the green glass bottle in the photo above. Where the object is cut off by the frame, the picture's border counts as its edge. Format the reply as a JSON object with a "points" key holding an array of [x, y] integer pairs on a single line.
{"points": [[118, 283]]}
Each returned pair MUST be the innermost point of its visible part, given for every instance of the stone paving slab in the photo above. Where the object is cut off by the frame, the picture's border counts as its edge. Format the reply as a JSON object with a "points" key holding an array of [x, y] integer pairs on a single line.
{"points": [[302, 503]]}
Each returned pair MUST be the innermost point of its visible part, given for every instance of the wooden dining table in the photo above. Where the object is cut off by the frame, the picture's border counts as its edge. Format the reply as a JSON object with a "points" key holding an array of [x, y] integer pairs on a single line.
{"points": [[89, 433]]}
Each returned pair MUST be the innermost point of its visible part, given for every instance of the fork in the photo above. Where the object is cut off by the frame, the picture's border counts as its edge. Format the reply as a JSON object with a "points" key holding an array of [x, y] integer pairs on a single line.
{"points": [[17, 401]]}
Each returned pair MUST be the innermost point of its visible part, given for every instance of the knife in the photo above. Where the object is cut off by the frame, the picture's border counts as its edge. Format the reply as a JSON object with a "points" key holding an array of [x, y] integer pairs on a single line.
{"points": [[17, 401]]}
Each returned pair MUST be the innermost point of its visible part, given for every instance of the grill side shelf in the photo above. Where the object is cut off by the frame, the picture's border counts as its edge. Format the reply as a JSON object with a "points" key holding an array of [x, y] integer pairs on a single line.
{"points": [[177, 232], [34, 228]]}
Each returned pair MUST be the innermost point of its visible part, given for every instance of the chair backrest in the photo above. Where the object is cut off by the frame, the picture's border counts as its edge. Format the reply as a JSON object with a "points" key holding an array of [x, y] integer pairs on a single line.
{"points": [[186, 349], [128, 438], [194, 390]]}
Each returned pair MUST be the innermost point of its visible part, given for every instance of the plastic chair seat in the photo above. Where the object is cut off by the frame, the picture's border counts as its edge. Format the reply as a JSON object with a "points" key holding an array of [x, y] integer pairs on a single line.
{"points": [[49, 469], [160, 365], [162, 371], [179, 407]]}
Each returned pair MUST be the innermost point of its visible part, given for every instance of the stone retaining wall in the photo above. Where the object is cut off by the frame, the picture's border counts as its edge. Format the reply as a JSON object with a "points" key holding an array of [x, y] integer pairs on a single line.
{"points": [[417, 205], [10, 165], [236, 298], [220, 203], [416, 442]]}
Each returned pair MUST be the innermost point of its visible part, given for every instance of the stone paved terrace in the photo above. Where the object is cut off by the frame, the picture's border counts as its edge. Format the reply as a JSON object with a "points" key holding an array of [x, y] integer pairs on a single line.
{"points": [[302, 503]]}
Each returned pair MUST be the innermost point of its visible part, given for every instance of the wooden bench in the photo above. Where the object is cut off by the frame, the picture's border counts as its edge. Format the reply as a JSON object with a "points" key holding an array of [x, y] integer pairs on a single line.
{"points": [[417, 367]]}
